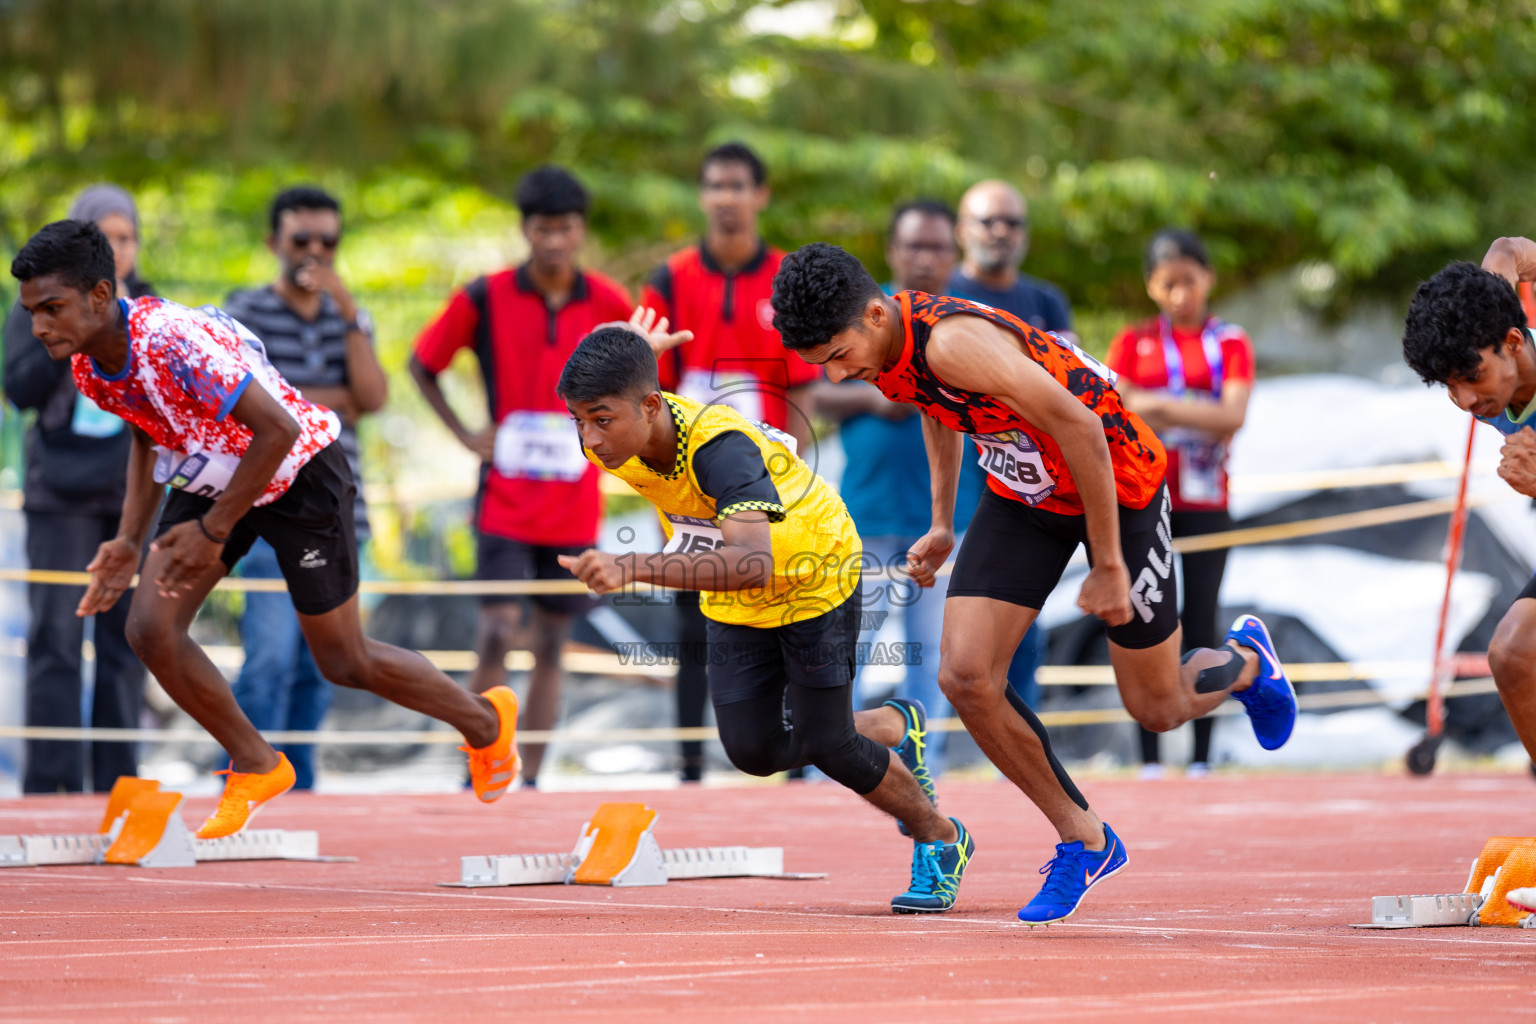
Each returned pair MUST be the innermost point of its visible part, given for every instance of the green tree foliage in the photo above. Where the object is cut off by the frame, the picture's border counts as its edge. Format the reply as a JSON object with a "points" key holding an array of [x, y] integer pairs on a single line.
{"points": [[1379, 135]]}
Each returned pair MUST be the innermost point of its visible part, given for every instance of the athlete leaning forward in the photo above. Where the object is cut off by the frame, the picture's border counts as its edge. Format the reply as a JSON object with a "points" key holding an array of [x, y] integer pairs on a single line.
{"points": [[1067, 464], [245, 456], [776, 557]]}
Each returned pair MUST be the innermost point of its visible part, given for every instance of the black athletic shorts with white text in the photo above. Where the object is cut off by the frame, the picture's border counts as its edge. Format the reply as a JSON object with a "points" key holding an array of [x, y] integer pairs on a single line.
{"points": [[1015, 553]]}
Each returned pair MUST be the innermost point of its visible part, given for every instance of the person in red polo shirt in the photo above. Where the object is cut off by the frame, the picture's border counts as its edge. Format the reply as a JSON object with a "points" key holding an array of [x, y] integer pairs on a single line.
{"points": [[719, 290], [538, 496]]}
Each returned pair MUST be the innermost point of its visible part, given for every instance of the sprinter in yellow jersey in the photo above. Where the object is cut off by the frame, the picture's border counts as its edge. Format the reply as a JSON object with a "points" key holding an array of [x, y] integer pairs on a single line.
{"points": [[776, 558]]}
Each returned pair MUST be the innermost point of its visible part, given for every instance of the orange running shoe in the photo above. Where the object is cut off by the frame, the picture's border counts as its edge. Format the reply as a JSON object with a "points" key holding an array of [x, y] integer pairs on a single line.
{"points": [[245, 793], [492, 768]]}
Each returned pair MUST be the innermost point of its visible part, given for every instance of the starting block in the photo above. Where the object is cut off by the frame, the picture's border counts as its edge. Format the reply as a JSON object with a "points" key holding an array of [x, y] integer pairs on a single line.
{"points": [[618, 847], [142, 826], [1507, 864]]}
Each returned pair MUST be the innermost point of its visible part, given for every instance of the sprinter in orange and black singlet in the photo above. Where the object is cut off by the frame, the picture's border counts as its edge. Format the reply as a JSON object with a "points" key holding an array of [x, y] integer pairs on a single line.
{"points": [[1067, 464], [1137, 454]]}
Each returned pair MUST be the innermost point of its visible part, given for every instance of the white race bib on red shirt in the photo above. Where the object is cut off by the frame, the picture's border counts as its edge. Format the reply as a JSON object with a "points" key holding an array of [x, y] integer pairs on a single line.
{"points": [[539, 446]]}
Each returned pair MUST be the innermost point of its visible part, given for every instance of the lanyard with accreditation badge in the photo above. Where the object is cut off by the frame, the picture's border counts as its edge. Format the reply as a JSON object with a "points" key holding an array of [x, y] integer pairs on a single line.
{"points": [[1200, 458]]}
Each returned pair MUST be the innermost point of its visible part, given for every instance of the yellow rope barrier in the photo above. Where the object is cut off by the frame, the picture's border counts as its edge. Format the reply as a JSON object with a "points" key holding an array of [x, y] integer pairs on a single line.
{"points": [[1399, 513], [1328, 524], [1363, 697]]}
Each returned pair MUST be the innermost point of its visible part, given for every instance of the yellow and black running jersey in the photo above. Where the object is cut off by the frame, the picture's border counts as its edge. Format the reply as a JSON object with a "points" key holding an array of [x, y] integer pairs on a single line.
{"points": [[816, 549]]}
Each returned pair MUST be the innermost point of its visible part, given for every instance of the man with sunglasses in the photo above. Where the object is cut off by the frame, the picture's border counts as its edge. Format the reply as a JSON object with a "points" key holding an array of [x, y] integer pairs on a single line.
{"points": [[320, 340], [993, 232]]}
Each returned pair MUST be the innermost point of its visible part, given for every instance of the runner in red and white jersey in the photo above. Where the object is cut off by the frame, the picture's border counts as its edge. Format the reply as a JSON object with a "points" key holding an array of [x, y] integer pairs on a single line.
{"points": [[1068, 464], [245, 457], [186, 370]]}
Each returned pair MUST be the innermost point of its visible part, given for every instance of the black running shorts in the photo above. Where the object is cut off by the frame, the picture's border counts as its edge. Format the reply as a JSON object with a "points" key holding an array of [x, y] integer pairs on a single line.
{"points": [[747, 662], [310, 527], [1015, 553]]}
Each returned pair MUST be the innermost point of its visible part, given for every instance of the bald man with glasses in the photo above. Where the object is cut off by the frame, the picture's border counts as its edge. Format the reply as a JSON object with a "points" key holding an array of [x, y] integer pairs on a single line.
{"points": [[993, 232]]}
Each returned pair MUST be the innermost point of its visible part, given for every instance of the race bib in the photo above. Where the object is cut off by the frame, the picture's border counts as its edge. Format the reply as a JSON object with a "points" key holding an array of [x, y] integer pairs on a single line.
{"points": [[691, 536], [1200, 471], [205, 474], [539, 446], [739, 391], [90, 420], [1200, 458], [1014, 461]]}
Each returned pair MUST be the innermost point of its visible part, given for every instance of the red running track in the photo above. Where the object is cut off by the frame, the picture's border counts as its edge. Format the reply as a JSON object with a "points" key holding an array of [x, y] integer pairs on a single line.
{"points": [[1235, 906]]}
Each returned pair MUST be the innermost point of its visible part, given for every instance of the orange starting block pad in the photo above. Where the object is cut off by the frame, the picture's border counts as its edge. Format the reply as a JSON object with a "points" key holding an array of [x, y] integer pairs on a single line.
{"points": [[1506, 866], [142, 826], [618, 847]]}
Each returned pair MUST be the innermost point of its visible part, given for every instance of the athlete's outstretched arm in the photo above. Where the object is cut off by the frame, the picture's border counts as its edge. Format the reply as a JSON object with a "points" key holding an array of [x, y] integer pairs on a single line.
{"points": [[977, 355], [1513, 259], [192, 544], [743, 562], [945, 449]]}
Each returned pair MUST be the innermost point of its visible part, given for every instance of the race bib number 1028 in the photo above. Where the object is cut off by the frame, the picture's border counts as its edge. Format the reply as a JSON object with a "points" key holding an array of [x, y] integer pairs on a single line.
{"points": [[1013, 460]]}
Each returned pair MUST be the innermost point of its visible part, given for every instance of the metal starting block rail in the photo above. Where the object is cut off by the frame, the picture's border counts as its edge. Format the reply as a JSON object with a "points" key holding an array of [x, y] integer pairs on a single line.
{"points": [[1507, 864], [142, 826], [617, 847]]}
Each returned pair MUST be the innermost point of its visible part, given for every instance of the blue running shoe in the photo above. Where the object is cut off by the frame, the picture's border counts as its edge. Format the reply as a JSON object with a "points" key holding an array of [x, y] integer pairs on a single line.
{"points": [[1271, 700], [936, 872], [1069, 876], [913, 749]]}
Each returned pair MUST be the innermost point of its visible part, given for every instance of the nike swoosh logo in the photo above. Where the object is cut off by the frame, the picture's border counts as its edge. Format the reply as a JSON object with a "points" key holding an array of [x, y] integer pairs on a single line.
{"points": [[1089, 877], [1273, 665]]}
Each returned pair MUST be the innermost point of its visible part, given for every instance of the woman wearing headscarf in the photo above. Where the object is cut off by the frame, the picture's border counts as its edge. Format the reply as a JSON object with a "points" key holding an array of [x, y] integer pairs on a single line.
{"points": [[77, 463]]}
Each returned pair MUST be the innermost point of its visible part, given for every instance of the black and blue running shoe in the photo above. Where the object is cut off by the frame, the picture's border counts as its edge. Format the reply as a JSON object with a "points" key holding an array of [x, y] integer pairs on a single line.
{"points": [[937, 868], [1270, 700], [913, 749], [1069, 876]]}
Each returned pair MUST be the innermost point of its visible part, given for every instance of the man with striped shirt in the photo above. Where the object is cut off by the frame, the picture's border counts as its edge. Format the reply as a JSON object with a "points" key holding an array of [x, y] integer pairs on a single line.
{"points": [[320, 340]]}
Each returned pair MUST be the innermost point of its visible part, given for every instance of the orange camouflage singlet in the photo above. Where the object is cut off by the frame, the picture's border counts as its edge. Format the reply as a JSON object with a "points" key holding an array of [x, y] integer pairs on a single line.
{"points": [[1022, 461]]}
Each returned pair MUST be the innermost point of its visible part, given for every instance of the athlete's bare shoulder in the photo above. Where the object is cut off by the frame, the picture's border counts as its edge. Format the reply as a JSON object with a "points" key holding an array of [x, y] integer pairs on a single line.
{"points": [[962, 335]]}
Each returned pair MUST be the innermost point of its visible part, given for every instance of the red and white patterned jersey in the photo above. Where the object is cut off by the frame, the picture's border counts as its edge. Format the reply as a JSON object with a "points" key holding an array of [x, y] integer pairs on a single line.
{"points": [[186, 370]]}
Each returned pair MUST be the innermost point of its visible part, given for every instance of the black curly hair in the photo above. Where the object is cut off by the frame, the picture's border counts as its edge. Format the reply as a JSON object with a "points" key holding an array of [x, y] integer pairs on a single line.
{"points": [[820, 290], [1453, 317], [610, 361], [76, 250]]}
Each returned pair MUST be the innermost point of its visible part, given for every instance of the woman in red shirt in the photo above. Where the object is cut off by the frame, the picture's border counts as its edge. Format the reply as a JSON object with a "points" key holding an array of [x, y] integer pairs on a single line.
{"points": [[1188, 375]]}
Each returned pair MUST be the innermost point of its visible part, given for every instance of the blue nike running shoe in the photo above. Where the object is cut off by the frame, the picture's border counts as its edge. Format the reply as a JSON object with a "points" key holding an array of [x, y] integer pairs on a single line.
{"points": [[1069, 876], [1271, 700], [913, 749], [936, 872]]}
